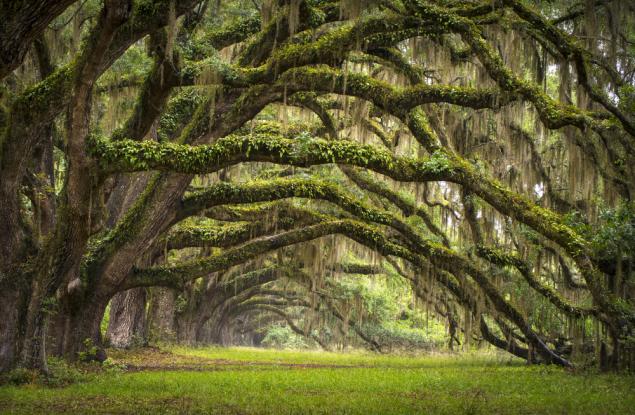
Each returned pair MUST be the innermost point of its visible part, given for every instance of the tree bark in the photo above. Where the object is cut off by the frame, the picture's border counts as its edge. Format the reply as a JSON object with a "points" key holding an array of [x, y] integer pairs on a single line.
{"points": [[11, 310], [22, 22], [161, 320], [127, 325], [84, 323]]}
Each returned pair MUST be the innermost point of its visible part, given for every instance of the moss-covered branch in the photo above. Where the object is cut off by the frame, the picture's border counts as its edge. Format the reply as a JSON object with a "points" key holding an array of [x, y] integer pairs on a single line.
{"points": [[154, 92], [501, 258], [439, 256], [397, 101], [569, 48], [229, 34], [406, 206], [262, 191], [164, 275], [278, 30], [205, 235], [553, 114], [134, 156], [131, 156]]}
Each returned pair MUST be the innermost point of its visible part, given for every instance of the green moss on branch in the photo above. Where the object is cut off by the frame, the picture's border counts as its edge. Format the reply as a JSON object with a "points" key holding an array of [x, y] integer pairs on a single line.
{"points": [[501, 258], [129, 156]]}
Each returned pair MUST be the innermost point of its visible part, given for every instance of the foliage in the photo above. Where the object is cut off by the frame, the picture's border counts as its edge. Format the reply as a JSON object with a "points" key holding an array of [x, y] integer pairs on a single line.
{"points": [[406, 172], [60, 374], [282, 337], [401, 337], [614, 236], [19, 376], [103, 326]]}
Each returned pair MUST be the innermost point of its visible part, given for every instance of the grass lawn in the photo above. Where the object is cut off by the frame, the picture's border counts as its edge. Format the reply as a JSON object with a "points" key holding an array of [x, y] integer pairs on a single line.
{"points": [[254, 381]]}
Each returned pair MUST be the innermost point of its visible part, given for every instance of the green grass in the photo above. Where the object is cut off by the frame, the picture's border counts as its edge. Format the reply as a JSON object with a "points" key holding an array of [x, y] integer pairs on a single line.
{"points": [[318, 357], [252, 381]]}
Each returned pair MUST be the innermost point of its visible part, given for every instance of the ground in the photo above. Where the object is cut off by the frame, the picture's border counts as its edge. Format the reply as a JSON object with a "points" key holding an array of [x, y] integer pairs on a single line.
{"points": [[256, 381]]}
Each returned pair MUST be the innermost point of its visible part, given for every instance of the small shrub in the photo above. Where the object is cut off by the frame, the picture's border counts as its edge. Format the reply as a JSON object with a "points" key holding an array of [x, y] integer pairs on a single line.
{"points": [[61, 373], [19, 376], [91, 353], [112, 366]]}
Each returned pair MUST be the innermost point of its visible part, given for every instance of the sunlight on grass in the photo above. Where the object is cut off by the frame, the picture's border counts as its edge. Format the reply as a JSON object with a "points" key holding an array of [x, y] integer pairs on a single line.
{"points": [[257, 382], [351, 358]]}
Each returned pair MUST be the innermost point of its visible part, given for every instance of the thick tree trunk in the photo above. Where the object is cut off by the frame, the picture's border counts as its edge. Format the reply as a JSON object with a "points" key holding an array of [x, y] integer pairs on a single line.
{"points": [[204, 333], [127, 325], [219, 324], [83, 327], [10, 306], [55, 337], [201, 334], [161, 322], [60, 264], [186, 326], [33, 354]]}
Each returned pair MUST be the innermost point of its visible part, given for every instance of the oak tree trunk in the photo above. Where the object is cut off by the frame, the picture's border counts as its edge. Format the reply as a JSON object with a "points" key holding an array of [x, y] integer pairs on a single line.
{"points": [[127, 324]]}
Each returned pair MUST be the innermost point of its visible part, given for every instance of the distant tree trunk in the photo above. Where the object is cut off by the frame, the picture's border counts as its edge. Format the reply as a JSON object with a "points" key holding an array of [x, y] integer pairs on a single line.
{"points": [[452, 326], [204, 334], [56, 332], [160, 319], [33, 353], [215, 324], [186, 328], [201, 334], [127, 325]]}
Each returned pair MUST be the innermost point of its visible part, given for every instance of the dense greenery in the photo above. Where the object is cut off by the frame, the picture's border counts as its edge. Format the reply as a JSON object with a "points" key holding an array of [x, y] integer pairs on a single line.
{"points": [[391, 175]]}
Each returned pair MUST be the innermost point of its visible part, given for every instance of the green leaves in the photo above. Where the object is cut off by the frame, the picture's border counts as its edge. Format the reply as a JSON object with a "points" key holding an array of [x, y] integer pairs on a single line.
{"points": [[438, 162]]}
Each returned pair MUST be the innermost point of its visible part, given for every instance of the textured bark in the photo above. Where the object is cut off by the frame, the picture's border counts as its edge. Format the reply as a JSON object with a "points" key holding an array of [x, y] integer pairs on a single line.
{"points": [[83, 326], [161, 321], [11, 311], [22, 22], [186, 332], [127, 325]]}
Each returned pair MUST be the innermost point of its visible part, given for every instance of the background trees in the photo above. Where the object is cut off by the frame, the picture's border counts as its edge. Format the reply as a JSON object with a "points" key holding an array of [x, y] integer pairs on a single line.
{"points": [[249, 158]]}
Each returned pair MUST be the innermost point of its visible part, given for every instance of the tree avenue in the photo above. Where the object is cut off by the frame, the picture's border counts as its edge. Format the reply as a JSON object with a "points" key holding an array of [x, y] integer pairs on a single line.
{"points": [[196, 171]]}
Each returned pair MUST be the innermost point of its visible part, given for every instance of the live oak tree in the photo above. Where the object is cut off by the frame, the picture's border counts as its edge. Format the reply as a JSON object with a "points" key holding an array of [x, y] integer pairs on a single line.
{"points": [[482, 151]]}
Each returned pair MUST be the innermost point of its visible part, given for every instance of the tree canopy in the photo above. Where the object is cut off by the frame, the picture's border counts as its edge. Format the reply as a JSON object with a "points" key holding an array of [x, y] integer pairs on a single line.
{"points": [[248, 162]]}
